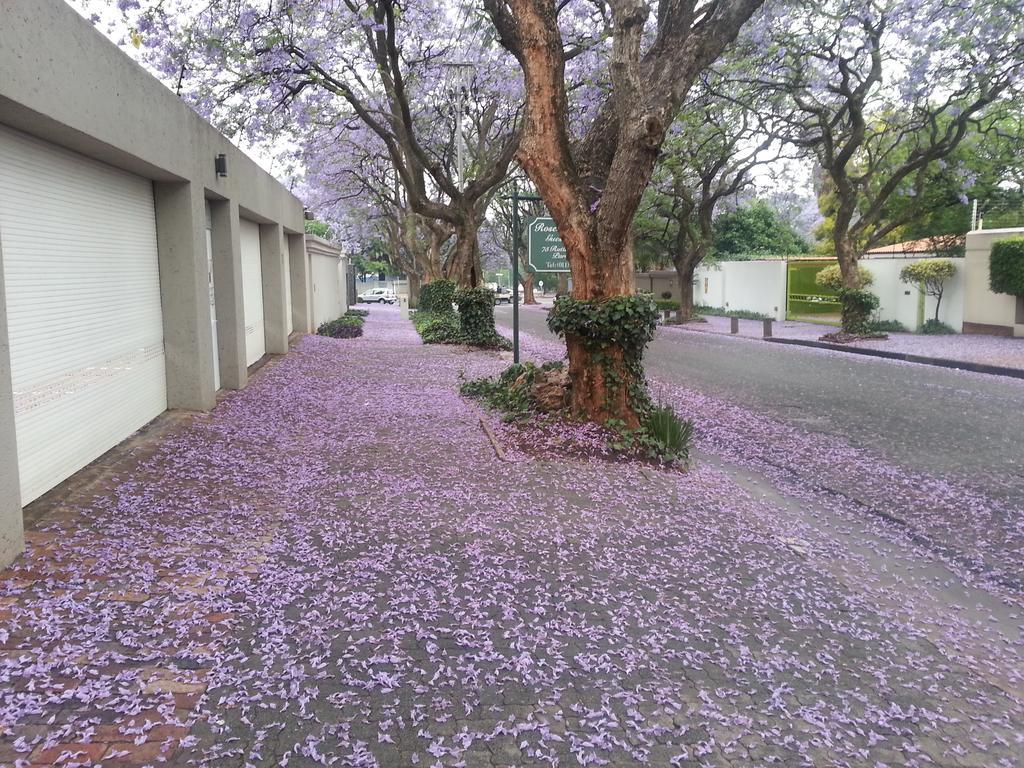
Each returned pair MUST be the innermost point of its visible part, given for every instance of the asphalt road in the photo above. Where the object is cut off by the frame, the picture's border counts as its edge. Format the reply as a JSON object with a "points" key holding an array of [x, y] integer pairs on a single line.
{"points": [[967, 427]]}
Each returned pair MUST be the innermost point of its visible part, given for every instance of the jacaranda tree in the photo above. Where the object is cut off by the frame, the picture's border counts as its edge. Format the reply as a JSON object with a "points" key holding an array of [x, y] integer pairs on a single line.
{"points": [[592, 161]]}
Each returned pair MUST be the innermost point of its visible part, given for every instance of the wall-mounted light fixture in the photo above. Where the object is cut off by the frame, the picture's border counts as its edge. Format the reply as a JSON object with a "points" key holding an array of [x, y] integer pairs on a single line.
{"points": [[221, 164]]}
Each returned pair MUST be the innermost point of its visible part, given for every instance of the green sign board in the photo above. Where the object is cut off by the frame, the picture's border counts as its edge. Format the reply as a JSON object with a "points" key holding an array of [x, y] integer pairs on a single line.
{"points": [[545, 251]]}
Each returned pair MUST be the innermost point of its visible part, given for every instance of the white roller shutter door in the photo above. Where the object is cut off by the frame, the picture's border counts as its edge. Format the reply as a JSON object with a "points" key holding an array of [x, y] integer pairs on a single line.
{"points": [[83, 306], [326, 292], [252, 292]]}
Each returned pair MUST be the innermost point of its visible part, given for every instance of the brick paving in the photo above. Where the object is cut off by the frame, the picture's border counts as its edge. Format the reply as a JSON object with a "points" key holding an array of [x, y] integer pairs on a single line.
{"points": [[334, 568]]}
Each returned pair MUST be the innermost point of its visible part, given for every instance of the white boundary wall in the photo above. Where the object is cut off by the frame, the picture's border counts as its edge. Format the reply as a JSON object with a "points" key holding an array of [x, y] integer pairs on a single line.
{"points": [[760, 286]]}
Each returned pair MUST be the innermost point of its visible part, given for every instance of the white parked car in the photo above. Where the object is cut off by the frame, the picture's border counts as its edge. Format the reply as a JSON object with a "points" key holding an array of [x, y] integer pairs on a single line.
{"points": [[378, 295]]}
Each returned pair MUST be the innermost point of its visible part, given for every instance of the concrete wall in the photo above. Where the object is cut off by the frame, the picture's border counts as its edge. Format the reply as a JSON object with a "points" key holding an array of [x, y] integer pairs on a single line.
{"points": [[760, 286], [984, 310], [900, 301], [63, 82], [757, 286]]}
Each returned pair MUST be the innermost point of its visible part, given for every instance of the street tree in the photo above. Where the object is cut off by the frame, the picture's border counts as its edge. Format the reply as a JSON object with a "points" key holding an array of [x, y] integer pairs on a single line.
{"points": [[712, 150], [591, 161]]}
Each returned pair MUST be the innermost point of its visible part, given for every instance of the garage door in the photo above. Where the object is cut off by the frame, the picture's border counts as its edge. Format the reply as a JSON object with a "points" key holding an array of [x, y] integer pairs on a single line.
{"points": [[326, 293], [252, 292], [83, 306]]}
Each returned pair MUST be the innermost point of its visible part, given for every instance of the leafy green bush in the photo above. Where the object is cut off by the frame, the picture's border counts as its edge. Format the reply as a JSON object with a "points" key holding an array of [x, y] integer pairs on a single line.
{"points": [[437, 327], [742, 314], [437, 296], [345, 327], [858, 306], [476, 317], [935, 327], [669, 434], [886, 326], [667, 305], [1006, 266], [831, 277], [358, 312]]}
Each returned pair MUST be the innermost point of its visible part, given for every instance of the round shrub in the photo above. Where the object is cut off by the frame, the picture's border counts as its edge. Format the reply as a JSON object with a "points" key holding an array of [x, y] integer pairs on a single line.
{"points": [[345, 327], [1006, 266], [831, 277]]}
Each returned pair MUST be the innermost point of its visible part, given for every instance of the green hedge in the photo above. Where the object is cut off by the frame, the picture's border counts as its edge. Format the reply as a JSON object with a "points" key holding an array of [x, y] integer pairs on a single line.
{"points": [[1006, 266], [476, 317], [437, 296]]}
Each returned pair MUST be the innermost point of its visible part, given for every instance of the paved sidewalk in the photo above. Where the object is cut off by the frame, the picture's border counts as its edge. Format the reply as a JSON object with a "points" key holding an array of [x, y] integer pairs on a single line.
{"points": [[334, 568], [973, 348]]}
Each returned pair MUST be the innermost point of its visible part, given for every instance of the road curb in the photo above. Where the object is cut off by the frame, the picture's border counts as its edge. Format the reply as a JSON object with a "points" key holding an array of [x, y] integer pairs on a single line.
{"points": [[940, 362]]}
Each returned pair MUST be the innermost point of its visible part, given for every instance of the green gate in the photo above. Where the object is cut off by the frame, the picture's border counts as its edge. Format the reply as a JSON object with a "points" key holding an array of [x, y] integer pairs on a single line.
{"points": [[805, 299]]}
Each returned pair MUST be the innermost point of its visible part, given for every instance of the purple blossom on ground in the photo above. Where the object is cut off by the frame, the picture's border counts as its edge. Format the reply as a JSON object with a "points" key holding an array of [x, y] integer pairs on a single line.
{"points": [[333, 567]]}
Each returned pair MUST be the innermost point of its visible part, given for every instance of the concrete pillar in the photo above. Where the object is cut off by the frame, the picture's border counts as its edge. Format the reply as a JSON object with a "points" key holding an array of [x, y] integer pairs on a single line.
{"points": [[227, 286], [12, 535], [185, 295], [299, 273], [275, 306]]}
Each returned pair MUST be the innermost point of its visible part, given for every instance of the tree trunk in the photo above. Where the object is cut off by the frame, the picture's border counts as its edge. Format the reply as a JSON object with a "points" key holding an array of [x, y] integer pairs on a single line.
{"points": [[526, 278], [414, 289], [686, 261], [686, 295], [854, 316], [464, 262], [563, 284], [603, 381]]}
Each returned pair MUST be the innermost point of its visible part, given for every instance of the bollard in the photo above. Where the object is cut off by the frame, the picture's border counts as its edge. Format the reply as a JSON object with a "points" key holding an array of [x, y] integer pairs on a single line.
{"points": [[734, 325], [403, 305], [767, 327]]}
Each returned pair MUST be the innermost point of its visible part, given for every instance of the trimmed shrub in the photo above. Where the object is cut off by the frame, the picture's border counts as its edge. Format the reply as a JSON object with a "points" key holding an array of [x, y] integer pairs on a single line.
{"points": [[1006, 266], [358, 312], [476, 317], [345, 327], [931, 275], [858, 306], [437, 327], [667, 305], [831, 277], [437, 296]]}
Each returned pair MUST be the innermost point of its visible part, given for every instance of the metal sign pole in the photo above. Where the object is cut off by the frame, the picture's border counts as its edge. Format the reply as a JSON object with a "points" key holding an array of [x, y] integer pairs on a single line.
{"points": [[515, 273]]}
